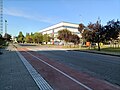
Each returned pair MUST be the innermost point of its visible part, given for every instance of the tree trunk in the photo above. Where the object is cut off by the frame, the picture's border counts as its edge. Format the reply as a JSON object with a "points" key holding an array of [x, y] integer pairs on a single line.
{"points": [[98, 46]]}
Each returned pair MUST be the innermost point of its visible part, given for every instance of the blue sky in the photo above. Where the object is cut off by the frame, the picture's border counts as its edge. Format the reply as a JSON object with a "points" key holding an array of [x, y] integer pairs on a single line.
{"points": [[33, 15]]}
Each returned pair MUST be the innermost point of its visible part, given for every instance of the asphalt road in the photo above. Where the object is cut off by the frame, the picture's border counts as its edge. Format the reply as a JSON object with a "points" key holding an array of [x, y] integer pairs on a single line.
{"points": [[101, 66], [104, 67]]}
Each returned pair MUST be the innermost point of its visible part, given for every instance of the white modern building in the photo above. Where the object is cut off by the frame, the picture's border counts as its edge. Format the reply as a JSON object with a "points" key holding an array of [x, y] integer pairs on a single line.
{"points": [[52, 31]]}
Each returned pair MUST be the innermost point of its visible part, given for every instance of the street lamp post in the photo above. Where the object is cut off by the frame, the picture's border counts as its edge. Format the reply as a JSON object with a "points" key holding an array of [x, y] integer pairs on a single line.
{"points": [[98, 40], [6, 29]]}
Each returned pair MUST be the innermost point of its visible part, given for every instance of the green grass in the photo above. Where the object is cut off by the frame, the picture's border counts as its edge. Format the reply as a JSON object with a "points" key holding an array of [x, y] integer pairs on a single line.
{"points": [[103, 48], [111, 49]]}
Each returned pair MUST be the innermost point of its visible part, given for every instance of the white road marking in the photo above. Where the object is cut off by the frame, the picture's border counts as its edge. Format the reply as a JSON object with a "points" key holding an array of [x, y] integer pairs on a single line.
{"points": [[88, 88]]}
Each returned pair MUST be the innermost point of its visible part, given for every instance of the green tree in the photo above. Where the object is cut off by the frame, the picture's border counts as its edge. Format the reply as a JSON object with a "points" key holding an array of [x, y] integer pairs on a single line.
{"points": [[112, 30], [81, 27], [87, 35], [28, 38], [92, 33], [38, 38], [21, 38], [86, 32], [97, 33], [2, 41], [32, 37], [46, 38], [7, 37]]}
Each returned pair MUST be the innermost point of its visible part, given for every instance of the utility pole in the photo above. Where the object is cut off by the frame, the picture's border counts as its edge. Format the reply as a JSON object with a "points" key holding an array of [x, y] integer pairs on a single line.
{"points": [[1, 17]]}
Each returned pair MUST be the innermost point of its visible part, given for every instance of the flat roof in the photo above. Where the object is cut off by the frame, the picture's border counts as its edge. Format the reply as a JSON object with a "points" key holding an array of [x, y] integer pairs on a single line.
{"points": [[59, 25]]}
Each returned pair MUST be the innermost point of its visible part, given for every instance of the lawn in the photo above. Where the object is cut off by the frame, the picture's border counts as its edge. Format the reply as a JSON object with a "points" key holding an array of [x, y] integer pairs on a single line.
{"points": [[111, 49]]}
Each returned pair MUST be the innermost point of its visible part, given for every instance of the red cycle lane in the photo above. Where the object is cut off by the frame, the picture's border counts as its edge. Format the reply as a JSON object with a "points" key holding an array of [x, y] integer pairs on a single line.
{"points": [[62, 77]]}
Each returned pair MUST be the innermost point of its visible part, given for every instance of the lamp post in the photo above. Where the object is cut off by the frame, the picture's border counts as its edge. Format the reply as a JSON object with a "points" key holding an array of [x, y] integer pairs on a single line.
{"points": [[98, 32], [98, 40], [6, 29], [1, 17]]}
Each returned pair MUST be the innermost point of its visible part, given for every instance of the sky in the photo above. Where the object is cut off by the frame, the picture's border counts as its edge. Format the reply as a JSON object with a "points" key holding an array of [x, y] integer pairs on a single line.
{"points": [[34, 15]]}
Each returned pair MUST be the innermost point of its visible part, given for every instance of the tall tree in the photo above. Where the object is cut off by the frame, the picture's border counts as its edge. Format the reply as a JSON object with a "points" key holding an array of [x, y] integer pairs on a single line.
{"points": [[81, 27], [46, 38], [92, 33], [68, 36], [7, 37], [112, 31], [64, 35], [28, 38], [21, 38], [2, 41], [74, 39], [96, 33], [38, 38]]}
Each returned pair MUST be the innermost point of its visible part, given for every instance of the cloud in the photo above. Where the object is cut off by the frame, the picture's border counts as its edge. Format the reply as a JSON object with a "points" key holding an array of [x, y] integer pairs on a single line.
{"points": [[15, 12], [23, 14]]}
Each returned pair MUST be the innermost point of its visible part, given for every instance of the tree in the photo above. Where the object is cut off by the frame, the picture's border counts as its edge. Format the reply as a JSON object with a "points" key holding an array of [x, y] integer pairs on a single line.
{"points": [[68, 36], [74, 39], [32, 36], [87, 35], [46, 38], [0, 36], [28, 38], [2, 41], [64, 35], [7, 37], [96, 33], [91, 33], [20, 38], [81, 27], [38, 38], [112, 30]]}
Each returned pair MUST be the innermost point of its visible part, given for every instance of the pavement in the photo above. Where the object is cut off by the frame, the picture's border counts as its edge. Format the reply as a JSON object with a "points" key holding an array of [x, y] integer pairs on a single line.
{"points": [[13, 73]]}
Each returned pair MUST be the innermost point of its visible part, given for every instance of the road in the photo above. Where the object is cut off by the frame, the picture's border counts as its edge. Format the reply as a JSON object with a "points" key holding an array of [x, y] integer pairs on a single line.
{"points": [[64, 69], [101, 66]]}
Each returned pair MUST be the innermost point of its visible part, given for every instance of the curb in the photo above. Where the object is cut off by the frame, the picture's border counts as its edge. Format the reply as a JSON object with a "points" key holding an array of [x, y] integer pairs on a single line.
{"points": [[96, 52]]}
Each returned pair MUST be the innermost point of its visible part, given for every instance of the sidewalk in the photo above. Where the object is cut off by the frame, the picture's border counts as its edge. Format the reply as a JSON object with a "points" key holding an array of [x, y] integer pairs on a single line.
{"points": [[13, 74]]}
